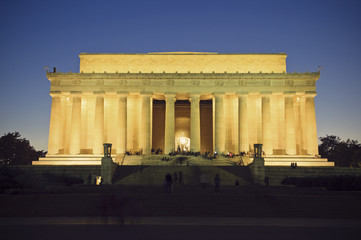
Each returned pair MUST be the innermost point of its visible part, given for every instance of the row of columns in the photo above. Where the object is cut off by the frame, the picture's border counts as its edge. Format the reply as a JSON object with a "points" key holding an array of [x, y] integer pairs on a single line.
{"points": [[309, 134], [57, 129], [310, 137], [219, 121]]}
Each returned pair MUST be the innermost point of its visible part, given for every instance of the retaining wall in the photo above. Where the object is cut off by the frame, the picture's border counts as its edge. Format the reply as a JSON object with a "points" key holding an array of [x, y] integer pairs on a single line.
{"points": [[277, 174]]}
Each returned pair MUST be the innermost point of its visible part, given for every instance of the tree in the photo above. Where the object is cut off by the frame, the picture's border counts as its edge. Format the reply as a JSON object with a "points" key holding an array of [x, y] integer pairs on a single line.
{"points": [[15, 150], [342, 153]]}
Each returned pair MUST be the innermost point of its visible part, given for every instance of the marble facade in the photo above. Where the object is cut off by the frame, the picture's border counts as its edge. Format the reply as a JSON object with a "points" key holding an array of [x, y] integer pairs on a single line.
{"points": [[219, 102]]}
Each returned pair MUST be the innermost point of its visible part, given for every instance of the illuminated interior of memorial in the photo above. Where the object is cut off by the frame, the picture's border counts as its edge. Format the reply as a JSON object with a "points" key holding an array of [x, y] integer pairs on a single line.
{"points": [[182, 101]]}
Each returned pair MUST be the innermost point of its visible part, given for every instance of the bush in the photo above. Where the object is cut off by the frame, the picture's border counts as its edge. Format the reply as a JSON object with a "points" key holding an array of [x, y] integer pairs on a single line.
{"points": [[6, 183], [14, 178], [7, 178], [334, 183], [62, 180]]}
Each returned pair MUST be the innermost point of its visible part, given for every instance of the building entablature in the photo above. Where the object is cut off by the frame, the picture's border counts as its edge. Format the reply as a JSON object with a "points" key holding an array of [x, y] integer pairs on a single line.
{"points": [[181, 96], [226, 75], [183, 83]]}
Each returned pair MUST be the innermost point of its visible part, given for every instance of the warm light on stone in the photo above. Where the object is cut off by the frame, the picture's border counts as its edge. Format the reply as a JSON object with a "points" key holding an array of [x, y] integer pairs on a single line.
{"points": [[204, 101], [182, 62]]}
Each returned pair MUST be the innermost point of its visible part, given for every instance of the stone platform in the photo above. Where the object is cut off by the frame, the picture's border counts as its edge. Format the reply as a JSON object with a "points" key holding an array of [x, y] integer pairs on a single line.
{"points": [[273, 160], [301, 160], [83, 159]]}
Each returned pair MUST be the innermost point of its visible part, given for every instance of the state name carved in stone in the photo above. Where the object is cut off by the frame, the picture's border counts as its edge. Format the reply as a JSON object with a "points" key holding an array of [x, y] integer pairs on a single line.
{"points": [[55, 82], [195, 82], [146, 82], [76, 82], [242, 82], [170, 82], [219, 83], [289, 82], [122, 82], [311, 82], [99, 82]]}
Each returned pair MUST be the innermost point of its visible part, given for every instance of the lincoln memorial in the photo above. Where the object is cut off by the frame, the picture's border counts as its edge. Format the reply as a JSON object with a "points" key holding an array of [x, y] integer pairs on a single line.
{"points": [[192, 101]]}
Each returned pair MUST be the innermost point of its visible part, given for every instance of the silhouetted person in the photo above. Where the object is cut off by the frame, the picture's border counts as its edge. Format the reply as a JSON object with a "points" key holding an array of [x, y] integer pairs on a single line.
{"points": [[89, 179], [236, 182], [180, 180], [175, 178], [266, 181], [168, 183], [217, 181]]}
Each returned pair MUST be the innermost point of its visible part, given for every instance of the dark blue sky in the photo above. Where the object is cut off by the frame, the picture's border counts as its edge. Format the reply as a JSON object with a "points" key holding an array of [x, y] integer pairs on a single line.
{"points": [[35, 34]]}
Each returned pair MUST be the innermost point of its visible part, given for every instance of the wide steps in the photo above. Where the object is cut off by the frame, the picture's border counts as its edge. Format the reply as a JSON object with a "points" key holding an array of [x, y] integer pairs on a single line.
{"points": [[155, 175]]}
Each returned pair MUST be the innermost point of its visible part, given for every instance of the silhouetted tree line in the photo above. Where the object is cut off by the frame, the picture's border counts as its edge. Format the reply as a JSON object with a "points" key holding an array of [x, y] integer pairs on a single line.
{"points": [[342, 153], [335, 183], [15, 150]]}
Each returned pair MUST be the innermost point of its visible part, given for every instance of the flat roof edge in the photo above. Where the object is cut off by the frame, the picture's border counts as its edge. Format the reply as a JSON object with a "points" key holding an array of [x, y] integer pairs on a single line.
{"points": [[182, 53]]}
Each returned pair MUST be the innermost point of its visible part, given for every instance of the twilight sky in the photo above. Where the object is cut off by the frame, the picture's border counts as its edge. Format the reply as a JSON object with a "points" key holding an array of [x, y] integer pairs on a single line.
{"points": [[35, 34]]}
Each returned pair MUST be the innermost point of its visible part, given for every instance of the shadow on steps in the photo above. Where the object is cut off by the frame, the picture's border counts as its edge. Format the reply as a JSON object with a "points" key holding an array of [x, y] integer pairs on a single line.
{"points": [[154, 175]]}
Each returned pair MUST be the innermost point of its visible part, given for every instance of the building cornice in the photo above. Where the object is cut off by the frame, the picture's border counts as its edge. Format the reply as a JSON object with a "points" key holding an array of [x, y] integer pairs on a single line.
{"points": [[183, 82], [70, 75], [180, 53]]}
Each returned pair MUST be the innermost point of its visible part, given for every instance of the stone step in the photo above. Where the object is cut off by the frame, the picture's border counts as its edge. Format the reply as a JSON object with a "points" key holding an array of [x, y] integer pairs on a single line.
{"points": [[67, 162], [268, 159], [155, 175], [300, 163]]}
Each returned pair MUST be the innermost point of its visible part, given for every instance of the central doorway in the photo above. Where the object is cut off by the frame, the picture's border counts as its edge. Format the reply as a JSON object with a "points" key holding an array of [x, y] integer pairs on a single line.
{"points": [[182, 125], [183, 144]]}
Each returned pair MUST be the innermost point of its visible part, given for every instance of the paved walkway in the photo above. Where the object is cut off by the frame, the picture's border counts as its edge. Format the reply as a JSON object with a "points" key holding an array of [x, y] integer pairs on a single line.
{"points": [[185, 221]]}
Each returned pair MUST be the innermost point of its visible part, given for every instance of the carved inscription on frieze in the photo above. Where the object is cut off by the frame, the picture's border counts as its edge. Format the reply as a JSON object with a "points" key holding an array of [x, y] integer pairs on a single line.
{"points": [[195, 82], [55, 82], [219, 83], [76, 82], [99, 82], [242, 82], [146, 82], [170, 82], [289, 82], [122, 82]]}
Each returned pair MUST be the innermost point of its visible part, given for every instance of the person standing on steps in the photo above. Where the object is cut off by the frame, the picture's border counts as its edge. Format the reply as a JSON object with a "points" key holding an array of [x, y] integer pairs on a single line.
{"points": [[180, 180], [217, 181], [168, 183], [175, 180]]}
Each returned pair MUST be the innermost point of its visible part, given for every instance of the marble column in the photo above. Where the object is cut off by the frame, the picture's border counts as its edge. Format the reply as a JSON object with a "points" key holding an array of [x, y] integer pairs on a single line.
{"points": [[312, 145], [99, 124], [219, 122], [74, 147], [266, 124], [303, 124], [290, 132], [169, 144], [195, 123], [55, 125], [243, 122], [122, 123], [146, 121], [297, 107]]}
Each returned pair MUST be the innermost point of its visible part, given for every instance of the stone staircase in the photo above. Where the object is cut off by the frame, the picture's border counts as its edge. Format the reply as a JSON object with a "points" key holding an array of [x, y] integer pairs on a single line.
{"points": [[154, 175]]}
